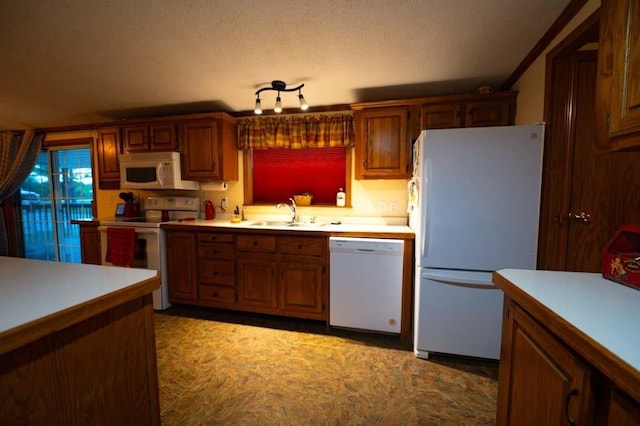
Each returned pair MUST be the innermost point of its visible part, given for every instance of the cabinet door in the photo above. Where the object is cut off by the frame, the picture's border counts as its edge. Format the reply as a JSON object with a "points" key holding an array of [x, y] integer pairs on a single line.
{"points": [[162, 137], [382, 145], [90, 244], [619, 74], [301, 287], [541, 382], [181, 266], [200, 150], [257, 281], [622, 411], [487, 113], [441, 116], [135, 138], [108, 148]]}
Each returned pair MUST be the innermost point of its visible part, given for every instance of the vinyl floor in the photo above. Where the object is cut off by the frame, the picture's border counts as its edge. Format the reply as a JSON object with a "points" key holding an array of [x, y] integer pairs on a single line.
{"points": [[226, 368]]}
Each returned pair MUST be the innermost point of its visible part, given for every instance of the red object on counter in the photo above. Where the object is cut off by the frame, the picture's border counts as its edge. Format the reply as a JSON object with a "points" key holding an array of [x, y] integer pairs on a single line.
{"points": [[209, 210], [621, 259]]}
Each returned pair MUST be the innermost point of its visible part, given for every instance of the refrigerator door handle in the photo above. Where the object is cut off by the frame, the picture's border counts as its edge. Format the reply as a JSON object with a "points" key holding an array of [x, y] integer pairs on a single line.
{"points": [[466, 282]]}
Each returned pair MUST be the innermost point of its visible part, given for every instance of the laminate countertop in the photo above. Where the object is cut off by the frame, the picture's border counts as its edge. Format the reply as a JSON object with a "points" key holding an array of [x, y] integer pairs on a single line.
{"points": [[599, 315], [37, 297], [390, 231]]}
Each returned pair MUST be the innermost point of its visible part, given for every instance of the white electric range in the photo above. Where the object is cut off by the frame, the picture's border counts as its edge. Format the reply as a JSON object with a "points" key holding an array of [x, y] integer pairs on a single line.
{"points": [[150, 250]]}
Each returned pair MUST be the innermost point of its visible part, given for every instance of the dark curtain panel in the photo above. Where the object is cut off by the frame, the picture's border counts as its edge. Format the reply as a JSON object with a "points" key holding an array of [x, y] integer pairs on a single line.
{"points": [[18, 154]]}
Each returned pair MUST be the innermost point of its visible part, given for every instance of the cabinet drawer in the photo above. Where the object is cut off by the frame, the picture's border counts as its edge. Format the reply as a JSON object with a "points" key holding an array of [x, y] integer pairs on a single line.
{"points": [[216, 272], [302, 246], [262, 243], [217, 293], [216, 250], [214, 238]]}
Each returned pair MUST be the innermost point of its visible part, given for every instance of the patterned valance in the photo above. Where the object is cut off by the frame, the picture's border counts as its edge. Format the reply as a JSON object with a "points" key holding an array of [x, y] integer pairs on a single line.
{"points": [[296, 131]]}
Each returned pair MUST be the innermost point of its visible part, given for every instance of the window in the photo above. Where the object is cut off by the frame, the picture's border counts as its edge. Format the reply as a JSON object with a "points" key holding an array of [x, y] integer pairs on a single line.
{"points": [[281, 173], [292, 155], [58, 190]]}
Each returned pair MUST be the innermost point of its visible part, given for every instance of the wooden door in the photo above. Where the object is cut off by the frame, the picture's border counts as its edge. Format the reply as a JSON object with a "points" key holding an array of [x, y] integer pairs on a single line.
{"points": [[586, 194]]}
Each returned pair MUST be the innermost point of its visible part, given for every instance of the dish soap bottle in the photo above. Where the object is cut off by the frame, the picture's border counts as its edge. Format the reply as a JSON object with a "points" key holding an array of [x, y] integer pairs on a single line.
{"points": [[340, 198]]}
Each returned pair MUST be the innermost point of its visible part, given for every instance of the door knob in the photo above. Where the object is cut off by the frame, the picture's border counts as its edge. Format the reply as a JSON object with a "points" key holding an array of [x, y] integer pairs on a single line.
{"points": [[582, 217]]}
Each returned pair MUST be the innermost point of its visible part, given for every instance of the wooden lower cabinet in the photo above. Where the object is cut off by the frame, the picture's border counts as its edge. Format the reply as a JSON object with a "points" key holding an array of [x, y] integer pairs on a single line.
{"points": [[181, 266], [257, 287], [216, 269], [266, 273], [90, 248], [301, 287], [541, 381]]}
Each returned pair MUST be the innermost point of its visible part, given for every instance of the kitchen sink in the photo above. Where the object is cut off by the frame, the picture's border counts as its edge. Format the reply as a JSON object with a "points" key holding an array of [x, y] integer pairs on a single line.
{"points": [[276, 223], [272, 223]]}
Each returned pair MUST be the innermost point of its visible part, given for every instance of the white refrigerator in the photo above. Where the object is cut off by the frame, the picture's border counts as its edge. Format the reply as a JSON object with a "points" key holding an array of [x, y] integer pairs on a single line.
{"points": [[474, 202]]}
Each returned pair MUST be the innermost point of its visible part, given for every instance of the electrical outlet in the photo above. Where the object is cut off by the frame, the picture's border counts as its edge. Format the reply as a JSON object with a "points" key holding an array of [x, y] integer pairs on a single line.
{"points": [[110, 200], [224, 203], [382, 206], [393, 206]]}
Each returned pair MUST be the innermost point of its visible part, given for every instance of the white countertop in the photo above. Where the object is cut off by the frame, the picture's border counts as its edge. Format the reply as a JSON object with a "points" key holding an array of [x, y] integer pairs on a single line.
{"points": [[605, 311], [323, 227], [33, 289]]}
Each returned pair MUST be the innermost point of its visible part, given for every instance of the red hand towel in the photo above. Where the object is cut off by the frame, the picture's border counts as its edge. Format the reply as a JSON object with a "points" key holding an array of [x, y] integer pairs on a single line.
{"points": [[121, 246]]}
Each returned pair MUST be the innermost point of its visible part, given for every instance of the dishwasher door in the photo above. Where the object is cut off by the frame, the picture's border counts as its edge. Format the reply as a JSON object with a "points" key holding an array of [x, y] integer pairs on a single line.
{"points": [[365, 283]]}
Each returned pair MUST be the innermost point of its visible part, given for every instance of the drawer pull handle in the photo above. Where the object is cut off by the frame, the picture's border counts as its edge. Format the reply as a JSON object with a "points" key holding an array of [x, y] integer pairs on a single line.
{"points": [[255, 243], [299, 246], [573, 392]]}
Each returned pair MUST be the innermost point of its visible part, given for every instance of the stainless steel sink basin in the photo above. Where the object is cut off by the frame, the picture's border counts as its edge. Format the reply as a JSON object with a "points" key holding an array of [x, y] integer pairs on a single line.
{"points": [[275, 223], [272, 223]]}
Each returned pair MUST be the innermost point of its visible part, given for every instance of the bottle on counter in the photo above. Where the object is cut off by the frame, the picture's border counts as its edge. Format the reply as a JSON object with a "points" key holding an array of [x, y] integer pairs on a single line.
{"points": [[341, 198], [209, 210]]}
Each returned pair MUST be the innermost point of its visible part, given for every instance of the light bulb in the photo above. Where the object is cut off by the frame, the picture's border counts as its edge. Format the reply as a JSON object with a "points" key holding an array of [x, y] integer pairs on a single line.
{"points": [[258, 108], [303, 103], [278, 107]]}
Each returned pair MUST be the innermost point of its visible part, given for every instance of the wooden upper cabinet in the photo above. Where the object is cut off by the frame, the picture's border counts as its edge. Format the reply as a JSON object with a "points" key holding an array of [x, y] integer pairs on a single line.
{"points": [[496, 109], [441, 116], [486, 113], [145, 137], [209, 149], [382, 143], [618, 93], [108, 149]]}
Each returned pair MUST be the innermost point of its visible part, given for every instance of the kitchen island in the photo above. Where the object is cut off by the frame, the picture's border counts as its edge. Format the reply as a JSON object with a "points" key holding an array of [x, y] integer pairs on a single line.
{"points": [[570, 350], [77, 344]]}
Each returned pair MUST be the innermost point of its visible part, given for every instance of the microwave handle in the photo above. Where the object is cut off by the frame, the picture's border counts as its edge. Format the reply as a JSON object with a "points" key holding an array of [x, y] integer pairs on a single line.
{"points": [[161, 174]]}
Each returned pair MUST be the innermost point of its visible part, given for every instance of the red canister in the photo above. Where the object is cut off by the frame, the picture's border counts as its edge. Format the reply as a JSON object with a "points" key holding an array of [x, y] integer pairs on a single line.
{"points": [[209, 210]]}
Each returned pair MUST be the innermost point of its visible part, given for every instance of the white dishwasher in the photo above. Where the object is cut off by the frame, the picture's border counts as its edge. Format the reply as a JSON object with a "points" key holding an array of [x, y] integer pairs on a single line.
{"points": [[365, 283]]}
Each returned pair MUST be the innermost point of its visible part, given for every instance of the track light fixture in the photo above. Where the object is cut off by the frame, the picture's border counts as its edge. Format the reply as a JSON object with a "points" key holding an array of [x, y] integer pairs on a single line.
{"points": [[280, 86]]}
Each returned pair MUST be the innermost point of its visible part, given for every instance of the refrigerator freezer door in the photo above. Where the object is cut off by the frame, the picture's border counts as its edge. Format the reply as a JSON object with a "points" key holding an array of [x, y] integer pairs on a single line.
{"points": [[457, 312], [480, 197]]}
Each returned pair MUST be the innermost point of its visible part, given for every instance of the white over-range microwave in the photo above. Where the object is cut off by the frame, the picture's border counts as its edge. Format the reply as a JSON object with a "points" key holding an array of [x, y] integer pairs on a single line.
{"points": [[153, 170]]}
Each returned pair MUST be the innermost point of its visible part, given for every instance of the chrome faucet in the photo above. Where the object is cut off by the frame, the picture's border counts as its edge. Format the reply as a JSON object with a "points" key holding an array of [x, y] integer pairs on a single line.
{"points": [[292, 208]]}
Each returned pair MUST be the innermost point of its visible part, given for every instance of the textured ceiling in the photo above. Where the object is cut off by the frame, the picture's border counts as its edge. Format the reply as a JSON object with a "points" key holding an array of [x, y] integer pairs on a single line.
{"points": [[67, 62]]}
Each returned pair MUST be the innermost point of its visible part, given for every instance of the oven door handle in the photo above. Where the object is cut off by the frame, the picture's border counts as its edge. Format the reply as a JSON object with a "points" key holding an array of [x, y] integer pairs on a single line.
{"points": [[138, 230]]}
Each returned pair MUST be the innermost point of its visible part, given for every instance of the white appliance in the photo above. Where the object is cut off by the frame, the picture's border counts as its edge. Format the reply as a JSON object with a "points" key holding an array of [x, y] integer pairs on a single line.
{"points": [[365, 283], [474, 202], [153, 170], [150, 239]]}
